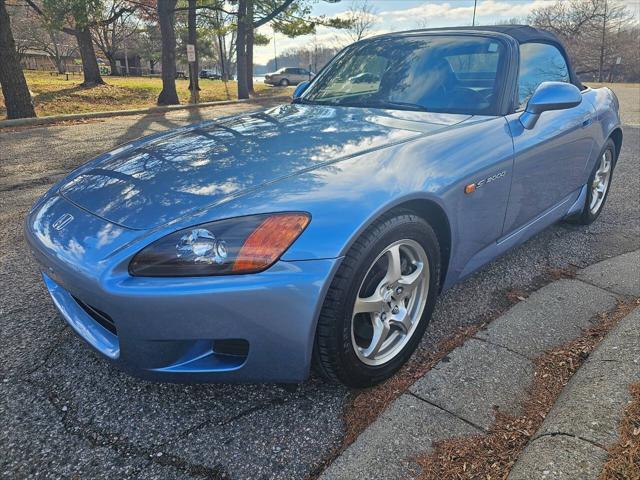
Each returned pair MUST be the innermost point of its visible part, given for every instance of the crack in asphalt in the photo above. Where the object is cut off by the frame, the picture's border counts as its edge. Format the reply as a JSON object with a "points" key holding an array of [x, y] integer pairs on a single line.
{"points": [[97, 437], [123, 447], [59, 339]]}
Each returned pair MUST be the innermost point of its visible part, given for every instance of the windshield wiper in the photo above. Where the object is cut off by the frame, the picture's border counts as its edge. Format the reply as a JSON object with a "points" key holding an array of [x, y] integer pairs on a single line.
{"points": [[390, 104]]}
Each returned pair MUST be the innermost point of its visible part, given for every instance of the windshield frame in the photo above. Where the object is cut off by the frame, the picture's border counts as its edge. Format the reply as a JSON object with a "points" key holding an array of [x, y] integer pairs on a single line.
{"points": [[504, 71]]}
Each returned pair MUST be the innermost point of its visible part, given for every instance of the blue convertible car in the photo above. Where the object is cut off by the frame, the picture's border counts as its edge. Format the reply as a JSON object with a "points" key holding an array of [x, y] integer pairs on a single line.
{"points": [[321, 232]]}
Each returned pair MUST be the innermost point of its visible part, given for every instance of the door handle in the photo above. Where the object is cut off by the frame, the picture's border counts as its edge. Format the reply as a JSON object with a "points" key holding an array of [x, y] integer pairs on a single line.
{"points": [[586, 121]]}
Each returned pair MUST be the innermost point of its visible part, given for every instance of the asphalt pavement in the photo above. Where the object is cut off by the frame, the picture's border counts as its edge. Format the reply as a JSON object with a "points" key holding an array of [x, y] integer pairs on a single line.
{"points": [[66, 412]]}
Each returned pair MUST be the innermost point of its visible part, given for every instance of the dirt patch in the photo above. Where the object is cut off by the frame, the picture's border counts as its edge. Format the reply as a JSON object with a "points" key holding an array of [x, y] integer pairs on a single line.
{"points": [[624, 457], [557, 273], [492, 456]]}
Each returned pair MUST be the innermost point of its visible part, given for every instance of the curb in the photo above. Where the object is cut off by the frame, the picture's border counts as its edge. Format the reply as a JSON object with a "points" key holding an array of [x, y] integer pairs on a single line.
{"points": [[22, 122], [572, 442], [493, 369]]}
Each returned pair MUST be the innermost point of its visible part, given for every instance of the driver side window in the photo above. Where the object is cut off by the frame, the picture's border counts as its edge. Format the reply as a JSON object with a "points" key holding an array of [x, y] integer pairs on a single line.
{"points": [[539, 62]]}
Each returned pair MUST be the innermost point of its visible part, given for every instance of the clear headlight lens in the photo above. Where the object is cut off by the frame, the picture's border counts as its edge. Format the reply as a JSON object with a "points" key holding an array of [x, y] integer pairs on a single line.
{"points": [[200, 245], [238, 245]]}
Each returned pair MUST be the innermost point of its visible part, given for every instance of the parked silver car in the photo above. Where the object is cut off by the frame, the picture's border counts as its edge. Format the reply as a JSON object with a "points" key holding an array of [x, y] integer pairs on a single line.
{"points": [[288, 76]]}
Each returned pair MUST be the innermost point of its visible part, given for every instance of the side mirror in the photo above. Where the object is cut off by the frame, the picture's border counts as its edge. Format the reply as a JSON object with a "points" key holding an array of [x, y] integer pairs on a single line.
{"points": [[549, 96], [300, 89]]}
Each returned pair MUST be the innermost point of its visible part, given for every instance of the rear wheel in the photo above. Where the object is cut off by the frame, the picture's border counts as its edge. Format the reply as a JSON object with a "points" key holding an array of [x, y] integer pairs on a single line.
{"points": [[379, 303], [598, 186]]}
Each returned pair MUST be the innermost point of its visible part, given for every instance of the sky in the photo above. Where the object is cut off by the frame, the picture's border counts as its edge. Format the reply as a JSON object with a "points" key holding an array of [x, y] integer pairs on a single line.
{"points": [[398, 15]]}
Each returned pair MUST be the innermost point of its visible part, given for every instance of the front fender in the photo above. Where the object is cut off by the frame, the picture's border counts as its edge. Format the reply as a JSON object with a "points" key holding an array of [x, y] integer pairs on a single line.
{"points": [[346, 197]]}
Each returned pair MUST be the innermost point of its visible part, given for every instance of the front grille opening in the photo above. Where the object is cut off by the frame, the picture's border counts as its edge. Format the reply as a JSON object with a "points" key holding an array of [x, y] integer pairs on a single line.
{"points": [[234, 346], [99, 316]]}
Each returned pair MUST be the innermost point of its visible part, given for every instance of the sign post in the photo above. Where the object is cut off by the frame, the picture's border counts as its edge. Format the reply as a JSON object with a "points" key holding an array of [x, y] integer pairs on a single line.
{"points": [[193, 74], [191, 53]]}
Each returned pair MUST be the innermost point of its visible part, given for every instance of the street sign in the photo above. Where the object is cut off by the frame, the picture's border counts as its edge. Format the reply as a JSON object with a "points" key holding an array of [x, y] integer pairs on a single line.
{"points": [[191, 53]]}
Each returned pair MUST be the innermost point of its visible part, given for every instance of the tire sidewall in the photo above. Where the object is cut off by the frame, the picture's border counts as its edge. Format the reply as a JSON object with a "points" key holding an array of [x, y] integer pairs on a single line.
{"points": [[587, 216], [359, 373]]}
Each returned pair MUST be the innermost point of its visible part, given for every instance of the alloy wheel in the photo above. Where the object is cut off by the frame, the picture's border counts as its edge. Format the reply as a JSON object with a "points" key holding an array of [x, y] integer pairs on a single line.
{"points": [[600, 183], [390, 302]]}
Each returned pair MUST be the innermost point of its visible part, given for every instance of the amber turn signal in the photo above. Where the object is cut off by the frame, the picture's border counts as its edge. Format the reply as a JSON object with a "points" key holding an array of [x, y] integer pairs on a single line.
{"points": [[470, 188], [267, 242]]}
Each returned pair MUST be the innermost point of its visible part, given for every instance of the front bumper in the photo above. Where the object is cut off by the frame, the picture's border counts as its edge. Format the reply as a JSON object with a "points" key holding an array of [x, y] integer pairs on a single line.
{"points": [[168, 329]]}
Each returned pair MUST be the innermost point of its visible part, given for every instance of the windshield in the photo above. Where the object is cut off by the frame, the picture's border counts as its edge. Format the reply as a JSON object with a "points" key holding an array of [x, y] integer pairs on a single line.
{"points": [[436, 73]]}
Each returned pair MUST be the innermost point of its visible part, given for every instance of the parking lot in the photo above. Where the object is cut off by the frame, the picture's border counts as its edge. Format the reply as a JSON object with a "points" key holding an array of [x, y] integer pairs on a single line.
{"points": [[65, 412]]}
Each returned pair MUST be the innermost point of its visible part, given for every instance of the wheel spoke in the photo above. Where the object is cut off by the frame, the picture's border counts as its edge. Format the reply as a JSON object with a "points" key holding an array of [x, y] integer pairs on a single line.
{"points": [[380, 334], [411, 281], [403, 323], [394, 265], [371, 304]]}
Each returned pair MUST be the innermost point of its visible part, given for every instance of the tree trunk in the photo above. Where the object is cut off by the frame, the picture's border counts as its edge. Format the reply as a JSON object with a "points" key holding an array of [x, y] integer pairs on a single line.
{"points": [[166, 17], [113, 64], [193, 39], [222, 50], [59, 62], [14, 87], [90, 67], [54, 53], [241, 50], [152, 67], [249, 47]]}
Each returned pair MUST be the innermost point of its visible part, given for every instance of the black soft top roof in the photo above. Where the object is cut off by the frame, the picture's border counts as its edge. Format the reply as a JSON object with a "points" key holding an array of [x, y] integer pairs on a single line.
{"points": [[522, 34]]}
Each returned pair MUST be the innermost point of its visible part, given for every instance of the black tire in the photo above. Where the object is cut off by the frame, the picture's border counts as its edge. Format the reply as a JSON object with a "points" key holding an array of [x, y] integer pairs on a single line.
{"points": [[334, 356], [586, 216], [284, 82]]}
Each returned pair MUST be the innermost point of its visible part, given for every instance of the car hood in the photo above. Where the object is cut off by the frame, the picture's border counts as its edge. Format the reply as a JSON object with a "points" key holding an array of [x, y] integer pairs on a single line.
{"points": [[153, 181]]}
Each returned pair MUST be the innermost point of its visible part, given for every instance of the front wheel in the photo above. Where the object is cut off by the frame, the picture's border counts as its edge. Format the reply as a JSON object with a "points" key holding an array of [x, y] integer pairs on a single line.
{"points": [[284, 82], [379, 303]]}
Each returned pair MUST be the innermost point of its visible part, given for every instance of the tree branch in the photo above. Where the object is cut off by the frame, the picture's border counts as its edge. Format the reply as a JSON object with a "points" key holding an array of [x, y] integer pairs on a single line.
{"points": [[277, 11]]}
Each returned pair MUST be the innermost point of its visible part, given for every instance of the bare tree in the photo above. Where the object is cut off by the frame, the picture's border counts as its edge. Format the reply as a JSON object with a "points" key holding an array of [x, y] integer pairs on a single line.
{"points": [[591, 30], [14, 86], [110, 37], [149, 44], [76, 17], [30, 32], [362, 18]]}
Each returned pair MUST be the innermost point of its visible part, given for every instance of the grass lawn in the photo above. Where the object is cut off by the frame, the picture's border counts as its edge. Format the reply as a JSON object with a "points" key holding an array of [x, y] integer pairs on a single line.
{"points": [[54, 95]]}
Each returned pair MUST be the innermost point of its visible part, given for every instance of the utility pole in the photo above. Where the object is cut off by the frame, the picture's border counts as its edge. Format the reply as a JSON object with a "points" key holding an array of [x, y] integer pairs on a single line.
{"points": [[126, 57], [604, 32], [275, 50], [475, 5]]}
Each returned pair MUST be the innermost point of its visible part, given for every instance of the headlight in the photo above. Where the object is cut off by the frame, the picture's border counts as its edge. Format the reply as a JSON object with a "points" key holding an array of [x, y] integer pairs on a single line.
{"points": [[238, 245]]}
